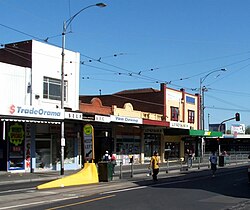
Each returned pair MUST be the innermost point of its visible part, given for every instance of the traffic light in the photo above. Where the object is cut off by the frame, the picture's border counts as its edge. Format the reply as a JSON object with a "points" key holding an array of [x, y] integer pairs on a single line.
{"points": [[237, 116]]}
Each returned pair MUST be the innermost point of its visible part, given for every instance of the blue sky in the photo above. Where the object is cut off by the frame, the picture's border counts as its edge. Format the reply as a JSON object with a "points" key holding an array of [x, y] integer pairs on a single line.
{"points": [[134, 44]]}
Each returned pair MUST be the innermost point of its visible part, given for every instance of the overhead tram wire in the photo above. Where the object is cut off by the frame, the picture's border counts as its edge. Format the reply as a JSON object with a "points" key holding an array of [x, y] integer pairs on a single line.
{"points": [[231, 92], [226, 102], [228, 109]]}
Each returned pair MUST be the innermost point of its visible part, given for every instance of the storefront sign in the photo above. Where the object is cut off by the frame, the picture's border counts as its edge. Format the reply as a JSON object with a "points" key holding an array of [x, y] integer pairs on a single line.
{"points": [[37, 112], [238, 128], [121, 119], [175, 124], [101, 118], [73, 115], [153, 130], [88, 141]]}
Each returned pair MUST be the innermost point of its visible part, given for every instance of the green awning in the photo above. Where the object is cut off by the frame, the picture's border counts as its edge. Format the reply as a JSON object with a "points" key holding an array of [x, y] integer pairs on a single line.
{"points": [[182, 132], [205, 133]]}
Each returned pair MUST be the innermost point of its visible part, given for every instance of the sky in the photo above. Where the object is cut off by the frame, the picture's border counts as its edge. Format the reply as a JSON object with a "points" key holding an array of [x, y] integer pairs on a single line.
{"points": [[133, 44]]}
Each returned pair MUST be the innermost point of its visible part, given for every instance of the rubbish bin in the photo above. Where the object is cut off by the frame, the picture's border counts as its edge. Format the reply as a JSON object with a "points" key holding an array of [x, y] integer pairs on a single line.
{"points": [[105, 171], [221, 160]]}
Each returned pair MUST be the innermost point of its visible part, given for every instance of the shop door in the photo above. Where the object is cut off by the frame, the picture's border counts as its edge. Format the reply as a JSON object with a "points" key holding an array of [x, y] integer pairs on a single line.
{"points": [[43, 154]]}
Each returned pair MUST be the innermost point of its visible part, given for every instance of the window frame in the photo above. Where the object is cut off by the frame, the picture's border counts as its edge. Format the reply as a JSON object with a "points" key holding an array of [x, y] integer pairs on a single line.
{"points": [[174, 113], [53, 93], [191, 116]]}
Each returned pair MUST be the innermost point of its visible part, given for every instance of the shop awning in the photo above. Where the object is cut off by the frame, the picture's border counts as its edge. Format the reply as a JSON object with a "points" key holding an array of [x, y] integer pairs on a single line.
{"points": [[31, 121], [182, 132]]}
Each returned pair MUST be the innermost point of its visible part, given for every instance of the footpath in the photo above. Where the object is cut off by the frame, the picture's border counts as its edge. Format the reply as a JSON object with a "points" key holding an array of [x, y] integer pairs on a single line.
{"points": [[122, 173]]}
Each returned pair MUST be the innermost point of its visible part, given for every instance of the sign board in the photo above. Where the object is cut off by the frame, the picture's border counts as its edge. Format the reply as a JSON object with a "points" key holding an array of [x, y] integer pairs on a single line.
{"points": [[32, 111], [238, 129], [132, 120], [88, 142], [218, 127], [175, 124], [73, 115], [101, 118]]}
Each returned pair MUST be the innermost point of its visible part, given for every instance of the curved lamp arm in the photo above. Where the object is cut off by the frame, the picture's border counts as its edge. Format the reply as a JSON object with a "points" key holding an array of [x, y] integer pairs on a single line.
{"points": [[68, 22]]}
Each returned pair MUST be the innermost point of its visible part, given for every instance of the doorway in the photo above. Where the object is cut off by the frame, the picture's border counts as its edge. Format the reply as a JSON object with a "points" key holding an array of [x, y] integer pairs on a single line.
{"points": [[43, 154]]}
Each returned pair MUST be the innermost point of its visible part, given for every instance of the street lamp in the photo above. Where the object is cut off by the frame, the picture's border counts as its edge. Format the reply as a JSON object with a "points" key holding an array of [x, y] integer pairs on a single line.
{"points": [[202, 90], [65, 27]]}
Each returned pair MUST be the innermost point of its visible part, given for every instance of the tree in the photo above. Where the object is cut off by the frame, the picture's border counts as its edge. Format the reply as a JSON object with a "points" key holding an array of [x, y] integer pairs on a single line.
{"points": [[248, 129]]}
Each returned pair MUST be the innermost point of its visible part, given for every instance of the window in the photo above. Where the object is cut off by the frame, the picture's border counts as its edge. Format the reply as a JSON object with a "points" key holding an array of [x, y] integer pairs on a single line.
{"points": [[190, 116], [174, 113], [52, 88]]}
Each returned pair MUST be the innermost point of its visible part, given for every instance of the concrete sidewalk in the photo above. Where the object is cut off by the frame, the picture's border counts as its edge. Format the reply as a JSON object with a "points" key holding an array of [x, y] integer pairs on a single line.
{"points": [[122, 173]]}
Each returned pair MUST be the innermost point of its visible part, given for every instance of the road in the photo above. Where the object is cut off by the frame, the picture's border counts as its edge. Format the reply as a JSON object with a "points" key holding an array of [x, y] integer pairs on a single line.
{"points": [[228, 190]]}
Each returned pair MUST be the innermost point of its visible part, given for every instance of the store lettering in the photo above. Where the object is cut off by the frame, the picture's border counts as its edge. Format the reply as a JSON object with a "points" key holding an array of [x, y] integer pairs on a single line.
{"points": [[33, 111]]}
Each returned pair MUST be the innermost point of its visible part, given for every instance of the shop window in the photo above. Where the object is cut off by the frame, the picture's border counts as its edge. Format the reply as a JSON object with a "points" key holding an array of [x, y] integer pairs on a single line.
{"points": [[174, 113], [172, 150], [190, 116], [128, 146], [151, 144], [43, 154], [52, 88]]}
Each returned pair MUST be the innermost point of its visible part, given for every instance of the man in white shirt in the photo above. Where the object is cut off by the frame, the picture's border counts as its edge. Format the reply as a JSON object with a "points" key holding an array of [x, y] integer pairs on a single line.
{"points": [[213, 161]]}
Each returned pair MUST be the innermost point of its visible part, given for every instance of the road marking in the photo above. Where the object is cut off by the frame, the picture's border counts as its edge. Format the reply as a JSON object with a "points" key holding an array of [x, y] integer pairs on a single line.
{"points": [[36, 203], [17, 190], [123, 190], [83, 202]]}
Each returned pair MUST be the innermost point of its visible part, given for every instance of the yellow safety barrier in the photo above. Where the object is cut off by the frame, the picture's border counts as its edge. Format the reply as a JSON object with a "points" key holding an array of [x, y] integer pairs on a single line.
{"points": [[88, 175]]}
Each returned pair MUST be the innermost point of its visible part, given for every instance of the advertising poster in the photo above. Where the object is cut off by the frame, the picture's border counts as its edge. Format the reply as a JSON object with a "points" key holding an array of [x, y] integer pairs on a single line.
{"points": [[88, 142], [16, 146]]}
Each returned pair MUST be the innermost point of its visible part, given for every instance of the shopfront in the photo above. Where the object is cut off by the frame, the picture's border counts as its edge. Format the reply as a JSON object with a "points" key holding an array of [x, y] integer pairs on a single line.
{"points": [[186, 142], [127, 138], [30, 140]]}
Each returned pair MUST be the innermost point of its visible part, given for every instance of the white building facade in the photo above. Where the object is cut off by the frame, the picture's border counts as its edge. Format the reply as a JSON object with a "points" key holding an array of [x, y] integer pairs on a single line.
{"points": [[30, 107]]}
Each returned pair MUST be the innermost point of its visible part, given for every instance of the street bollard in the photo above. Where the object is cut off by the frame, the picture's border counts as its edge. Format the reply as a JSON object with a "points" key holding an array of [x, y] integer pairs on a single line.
{"points": [[120, 176]]}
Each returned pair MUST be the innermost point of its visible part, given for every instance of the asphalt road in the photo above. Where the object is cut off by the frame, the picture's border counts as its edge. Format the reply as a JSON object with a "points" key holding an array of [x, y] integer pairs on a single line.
{"points": [[228, 190]]}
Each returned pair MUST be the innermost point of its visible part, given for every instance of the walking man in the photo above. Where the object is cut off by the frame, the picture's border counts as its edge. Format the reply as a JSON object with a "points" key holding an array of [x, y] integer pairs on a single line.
{"points": [[213, 161]]}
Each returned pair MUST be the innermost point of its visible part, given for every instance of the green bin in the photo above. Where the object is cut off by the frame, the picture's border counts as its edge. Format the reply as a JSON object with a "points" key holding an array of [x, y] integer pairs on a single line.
{"points": [[105, 171]]}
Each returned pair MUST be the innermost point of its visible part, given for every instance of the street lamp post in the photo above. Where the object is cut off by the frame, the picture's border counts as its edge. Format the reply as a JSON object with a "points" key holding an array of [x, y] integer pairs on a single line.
{"points": [[65, 27], [202, 90]]}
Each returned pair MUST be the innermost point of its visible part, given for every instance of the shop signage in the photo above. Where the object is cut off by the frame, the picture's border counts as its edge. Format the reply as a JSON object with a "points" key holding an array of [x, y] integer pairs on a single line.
{"points": [[101, 118], [73, 115], [153, 130], [238, 128], [182, 125], [37, 112], [132, 120], [88, 141]]}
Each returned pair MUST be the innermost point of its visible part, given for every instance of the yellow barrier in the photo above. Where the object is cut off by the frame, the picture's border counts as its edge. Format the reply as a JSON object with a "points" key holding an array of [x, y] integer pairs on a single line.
{"points": [[88, 175]]}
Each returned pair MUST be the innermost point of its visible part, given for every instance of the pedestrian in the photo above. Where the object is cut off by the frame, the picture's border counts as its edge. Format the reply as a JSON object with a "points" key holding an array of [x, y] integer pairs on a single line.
{"points": [[106, 156], [190, 159], [113, 162], [154, 164], [213, 161]]}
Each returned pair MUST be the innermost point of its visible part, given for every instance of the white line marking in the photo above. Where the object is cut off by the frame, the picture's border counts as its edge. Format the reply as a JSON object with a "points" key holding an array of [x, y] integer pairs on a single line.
{"points": [[36, 203]]}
